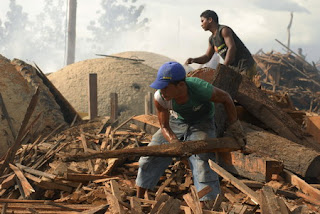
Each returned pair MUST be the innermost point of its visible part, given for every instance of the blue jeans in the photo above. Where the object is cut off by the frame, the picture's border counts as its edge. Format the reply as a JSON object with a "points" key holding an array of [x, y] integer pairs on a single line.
{"points": [[151, 168]]}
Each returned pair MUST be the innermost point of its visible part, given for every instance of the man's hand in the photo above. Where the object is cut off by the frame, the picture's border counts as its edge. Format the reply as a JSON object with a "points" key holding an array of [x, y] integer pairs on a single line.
{"points": [[189, 61], [237, 132]]}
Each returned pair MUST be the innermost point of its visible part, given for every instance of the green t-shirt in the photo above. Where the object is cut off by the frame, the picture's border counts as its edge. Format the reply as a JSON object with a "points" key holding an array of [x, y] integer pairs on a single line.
{"points": [[198, 107]]}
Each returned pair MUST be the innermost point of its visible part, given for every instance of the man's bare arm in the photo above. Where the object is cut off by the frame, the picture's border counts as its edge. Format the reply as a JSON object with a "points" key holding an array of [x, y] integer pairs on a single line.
{"points": [[202, 59], [163, 116], [228, 39], [220, 96]]}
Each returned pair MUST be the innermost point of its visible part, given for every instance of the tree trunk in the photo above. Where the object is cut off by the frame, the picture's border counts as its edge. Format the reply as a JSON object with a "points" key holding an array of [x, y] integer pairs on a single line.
{"points": [[296, 158]]}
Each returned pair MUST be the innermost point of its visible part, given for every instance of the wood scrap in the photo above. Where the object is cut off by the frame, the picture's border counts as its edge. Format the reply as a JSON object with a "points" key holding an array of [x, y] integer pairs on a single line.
{"points": [[27, 188], [270, 203]]}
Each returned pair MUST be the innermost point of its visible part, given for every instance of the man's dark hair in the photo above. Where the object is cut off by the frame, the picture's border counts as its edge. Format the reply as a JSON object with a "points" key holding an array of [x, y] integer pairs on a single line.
{"points": [[210, 14]]}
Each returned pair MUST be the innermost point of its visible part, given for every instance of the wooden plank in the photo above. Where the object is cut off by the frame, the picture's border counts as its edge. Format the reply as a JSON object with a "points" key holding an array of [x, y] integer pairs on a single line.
{"points": [[100, 209], [234, 181], [217, 202], [148, 101], [187, 210], [4, 208], [113, 107], [115, 189], [252, 184], [32, 177], [35, 172], [128, 133], [82, 177], [204, 191], [308, 198], [192, 200], [85, 148], [63, 207], [191, 203], [148, 119], [27, 188], [252, 166], [98, 164], [115, 206], [8, 182], [167, 150], [93, 96], [171, 206], [313, 127], [230, 195], [269, 202], [164, 184], [54, 186], [302, 185], [135, 205], [116, 192], [161, 199], [106, 179]]}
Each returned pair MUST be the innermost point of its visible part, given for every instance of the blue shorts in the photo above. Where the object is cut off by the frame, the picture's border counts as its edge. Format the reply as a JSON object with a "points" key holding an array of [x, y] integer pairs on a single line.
{"points": [[151, 168]]}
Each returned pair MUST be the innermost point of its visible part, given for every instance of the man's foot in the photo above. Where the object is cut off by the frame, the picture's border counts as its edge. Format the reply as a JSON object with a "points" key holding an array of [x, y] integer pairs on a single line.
{"points": [[140, 192]]}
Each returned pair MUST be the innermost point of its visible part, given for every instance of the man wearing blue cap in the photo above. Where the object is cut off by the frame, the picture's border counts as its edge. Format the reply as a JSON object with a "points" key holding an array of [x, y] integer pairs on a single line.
{"points": [[185, 109]]}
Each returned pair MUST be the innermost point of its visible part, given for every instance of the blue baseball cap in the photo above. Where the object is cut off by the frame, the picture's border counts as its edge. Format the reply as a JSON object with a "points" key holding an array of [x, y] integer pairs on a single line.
{"points": [[168, 72]]}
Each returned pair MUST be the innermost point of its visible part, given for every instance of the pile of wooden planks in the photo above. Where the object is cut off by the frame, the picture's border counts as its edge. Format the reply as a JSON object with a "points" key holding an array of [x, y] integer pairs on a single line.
{"points": [[48, 185], [289, 73]]}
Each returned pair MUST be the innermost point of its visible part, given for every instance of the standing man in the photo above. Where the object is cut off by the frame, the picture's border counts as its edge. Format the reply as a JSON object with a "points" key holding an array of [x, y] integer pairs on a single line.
{"points": [[227, 44], [191, 99]]}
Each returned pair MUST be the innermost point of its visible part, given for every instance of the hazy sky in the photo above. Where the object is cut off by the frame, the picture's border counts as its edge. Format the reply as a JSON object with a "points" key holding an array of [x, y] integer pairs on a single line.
{"points": [[174, 28]]}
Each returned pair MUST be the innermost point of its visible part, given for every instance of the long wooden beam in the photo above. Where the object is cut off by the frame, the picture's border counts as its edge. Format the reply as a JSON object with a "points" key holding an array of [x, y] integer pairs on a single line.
{"points": [[234, 181], [225, 144], [302, 185]]}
